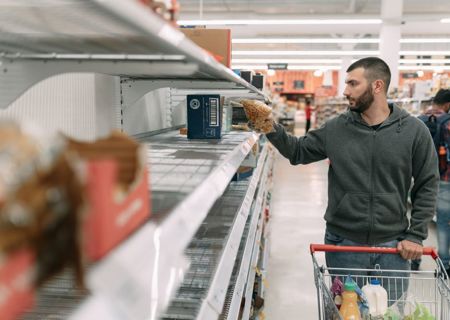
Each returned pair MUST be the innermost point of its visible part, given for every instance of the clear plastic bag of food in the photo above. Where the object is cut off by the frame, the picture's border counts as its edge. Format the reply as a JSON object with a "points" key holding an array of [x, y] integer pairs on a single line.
{"points": [[408, 308], [259, 115]]}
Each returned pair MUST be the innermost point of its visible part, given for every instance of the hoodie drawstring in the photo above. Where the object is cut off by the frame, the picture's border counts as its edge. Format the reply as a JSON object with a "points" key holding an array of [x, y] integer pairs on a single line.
{"points": [[399, 125], [347, 119]]}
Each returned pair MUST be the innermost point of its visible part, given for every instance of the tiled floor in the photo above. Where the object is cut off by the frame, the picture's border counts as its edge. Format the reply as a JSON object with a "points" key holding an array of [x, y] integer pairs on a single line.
{"points": [[298, 204]]}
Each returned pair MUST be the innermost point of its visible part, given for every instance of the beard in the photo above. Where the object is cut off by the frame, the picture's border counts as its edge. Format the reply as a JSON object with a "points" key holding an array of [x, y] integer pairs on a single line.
{"points": [[363, 102]]}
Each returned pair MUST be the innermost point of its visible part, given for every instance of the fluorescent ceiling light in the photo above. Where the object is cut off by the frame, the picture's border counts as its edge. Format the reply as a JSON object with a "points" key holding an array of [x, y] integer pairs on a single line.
{"points": [[425, 40], [251, 67], [305, 53], [336, 40], [303, 40], [295, 67], [280, 22], [314, 67], [446, 20], [333, 61], [318, 73], [424, 68], [416, 61], [286, 61], [424, 53]]}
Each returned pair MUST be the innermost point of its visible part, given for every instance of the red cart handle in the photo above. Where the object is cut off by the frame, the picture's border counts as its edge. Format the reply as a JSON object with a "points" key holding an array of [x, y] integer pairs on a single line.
{"points": [[332, 248]]}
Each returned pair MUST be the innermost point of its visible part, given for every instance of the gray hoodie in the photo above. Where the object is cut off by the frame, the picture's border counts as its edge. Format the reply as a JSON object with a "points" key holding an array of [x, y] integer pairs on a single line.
{"points": [[370, 174]]}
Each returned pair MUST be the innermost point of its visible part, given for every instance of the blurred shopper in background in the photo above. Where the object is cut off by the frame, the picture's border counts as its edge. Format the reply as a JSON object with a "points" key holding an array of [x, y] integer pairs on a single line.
{"points": [[375, 150], [308, 111], [437, 120]]}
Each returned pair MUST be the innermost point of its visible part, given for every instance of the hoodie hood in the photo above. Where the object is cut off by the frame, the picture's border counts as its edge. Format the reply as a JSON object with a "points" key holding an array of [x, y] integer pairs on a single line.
{"points": [[398, 115]]}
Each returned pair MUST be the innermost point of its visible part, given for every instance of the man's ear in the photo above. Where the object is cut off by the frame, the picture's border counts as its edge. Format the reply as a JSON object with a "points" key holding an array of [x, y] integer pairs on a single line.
{"points": [[447, 106], [378, 86]]}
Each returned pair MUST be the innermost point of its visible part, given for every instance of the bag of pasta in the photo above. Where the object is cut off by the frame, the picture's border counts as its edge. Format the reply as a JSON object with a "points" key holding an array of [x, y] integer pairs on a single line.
{"points": [[259, 115]]}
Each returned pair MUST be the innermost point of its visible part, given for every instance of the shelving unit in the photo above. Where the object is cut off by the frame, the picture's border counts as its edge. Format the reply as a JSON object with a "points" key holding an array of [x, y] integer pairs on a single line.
{"points": [[215, 248], [138, 279], [41, 38]]}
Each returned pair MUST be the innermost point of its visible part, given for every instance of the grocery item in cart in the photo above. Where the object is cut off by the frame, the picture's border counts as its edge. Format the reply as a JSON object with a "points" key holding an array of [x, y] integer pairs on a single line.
{"points": [[336, 290], [258, 113], [349, 309], [426, 294], [409, 308], [377, 297]]}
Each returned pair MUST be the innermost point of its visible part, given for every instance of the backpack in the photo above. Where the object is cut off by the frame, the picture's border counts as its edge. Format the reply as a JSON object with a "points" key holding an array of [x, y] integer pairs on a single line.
{"points": [[437, 127]]}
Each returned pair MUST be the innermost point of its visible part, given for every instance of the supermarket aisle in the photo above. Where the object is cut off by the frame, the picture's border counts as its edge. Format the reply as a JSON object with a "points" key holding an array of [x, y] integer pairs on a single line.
{"points": [[298, 203]]}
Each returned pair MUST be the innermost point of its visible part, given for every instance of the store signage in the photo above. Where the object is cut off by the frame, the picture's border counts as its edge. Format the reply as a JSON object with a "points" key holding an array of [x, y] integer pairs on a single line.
{"points": [[410, 75], [277, 66], [299, 84], [278, 83]]}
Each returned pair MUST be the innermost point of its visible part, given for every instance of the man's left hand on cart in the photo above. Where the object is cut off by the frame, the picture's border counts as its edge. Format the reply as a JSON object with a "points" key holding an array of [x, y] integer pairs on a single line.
{"points": [[410, 250]]}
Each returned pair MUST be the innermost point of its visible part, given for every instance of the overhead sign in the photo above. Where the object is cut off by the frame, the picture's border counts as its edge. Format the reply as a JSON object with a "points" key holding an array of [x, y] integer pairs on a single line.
{"points": [[299, 84], [409, 75], [277, 66]]}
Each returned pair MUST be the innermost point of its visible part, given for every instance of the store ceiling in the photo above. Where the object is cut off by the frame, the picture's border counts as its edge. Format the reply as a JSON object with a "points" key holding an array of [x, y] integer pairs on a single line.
{"points": [[326, 7], [420, 19]]}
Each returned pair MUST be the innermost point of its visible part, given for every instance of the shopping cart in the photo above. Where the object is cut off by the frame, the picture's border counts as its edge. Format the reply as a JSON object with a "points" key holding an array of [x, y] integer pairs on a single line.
{"points": [[428, 288]]}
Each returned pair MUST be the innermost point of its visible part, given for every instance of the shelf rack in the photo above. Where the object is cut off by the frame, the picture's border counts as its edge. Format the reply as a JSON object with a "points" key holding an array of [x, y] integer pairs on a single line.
{"points": [[244, 273], [40, 39], [187, 177], [43, 38], [216, 270]]}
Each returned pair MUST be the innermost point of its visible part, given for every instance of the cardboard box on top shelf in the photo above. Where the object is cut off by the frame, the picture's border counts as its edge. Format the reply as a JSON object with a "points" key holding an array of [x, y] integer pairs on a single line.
{"points": [[117, 191], [216, 42], [16, 281]]}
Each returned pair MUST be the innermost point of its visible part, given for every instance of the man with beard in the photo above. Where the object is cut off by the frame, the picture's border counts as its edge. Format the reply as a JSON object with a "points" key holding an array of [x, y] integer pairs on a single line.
{"points": [[375, 150]]}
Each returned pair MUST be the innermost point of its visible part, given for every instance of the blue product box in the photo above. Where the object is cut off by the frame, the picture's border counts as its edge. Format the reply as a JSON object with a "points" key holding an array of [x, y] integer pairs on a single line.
{"points": [[204, 116], [242, 173]]}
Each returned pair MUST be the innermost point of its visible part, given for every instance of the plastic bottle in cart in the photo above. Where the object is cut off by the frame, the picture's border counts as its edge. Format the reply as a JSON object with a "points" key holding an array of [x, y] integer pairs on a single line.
{"points": [[349, 309], [377, 298]]}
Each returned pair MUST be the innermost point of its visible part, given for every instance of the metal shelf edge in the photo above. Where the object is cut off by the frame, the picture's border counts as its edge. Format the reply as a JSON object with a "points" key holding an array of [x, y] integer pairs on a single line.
{"points": [[217, 292], [247, 254]]}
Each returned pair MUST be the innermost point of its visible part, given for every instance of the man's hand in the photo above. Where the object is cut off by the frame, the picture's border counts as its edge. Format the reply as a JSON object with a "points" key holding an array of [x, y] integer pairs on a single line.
{"points": [[264, 125], [410, 250]]}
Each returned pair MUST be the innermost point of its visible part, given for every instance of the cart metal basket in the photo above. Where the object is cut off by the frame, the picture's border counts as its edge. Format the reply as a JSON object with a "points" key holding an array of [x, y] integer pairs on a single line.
{"points": [[429, 288]]}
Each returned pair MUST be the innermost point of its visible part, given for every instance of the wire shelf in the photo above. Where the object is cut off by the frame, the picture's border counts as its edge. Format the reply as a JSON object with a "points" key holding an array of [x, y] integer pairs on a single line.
{"points": [[205, 251]]}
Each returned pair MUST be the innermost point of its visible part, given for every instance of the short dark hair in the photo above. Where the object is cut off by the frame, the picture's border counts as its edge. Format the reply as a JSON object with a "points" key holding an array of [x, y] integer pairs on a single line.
{"points": [[374, 69], [441, 97]]}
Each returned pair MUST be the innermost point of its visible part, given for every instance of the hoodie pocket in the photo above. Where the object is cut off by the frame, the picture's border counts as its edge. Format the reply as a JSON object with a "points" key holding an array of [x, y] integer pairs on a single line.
{"points": [[388, 209], [352, 211]]}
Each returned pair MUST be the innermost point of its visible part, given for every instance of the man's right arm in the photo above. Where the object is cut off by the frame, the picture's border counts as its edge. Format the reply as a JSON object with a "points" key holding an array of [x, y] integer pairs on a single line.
{"points": [[300, 150]]}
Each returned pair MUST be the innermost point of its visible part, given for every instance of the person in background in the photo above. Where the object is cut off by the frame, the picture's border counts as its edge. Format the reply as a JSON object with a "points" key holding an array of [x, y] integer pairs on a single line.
{"points": [[375, 150], [440, 110], [308, 111]]}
